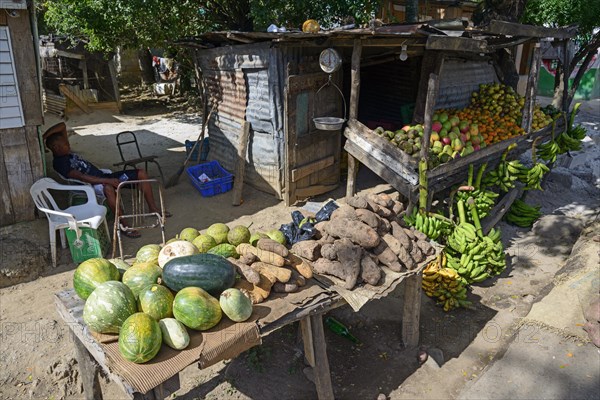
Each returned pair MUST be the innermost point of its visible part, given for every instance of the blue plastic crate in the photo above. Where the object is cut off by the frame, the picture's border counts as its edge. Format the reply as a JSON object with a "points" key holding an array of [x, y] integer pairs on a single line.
{"points": [[205, 149], [221, 180]]}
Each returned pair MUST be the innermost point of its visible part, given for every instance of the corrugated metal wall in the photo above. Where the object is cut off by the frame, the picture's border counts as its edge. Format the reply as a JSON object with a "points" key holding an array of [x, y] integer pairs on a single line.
{"points": [[459, 78], [239, 83]]}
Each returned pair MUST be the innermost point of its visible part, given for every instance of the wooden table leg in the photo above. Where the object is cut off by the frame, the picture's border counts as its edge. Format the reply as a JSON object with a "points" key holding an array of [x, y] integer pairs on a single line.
{"points": [[352, 172], [412, 310], [315, 351], [88, 370]]}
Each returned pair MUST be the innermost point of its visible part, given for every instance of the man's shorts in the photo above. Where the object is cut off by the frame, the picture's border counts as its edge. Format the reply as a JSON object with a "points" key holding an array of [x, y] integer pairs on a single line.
{"points": [[132, 175]]}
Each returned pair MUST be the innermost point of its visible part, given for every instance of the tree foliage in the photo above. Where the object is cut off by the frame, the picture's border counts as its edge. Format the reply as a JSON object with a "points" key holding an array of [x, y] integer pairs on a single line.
{"points": [[129, 23], [292, 14], [559, 13]]}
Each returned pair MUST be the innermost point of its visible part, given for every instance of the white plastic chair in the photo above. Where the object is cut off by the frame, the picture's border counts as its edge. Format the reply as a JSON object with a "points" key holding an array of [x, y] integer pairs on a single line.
{"points": [[90, 214], [97, 188]]}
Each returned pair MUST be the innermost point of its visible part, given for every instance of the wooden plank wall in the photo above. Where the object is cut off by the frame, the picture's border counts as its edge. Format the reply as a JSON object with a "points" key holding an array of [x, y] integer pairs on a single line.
{"points": [[20, 154]]}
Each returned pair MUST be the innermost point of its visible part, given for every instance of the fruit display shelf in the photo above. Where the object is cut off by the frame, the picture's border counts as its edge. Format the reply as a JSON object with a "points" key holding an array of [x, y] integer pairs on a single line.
{"points": [[401, 170]]}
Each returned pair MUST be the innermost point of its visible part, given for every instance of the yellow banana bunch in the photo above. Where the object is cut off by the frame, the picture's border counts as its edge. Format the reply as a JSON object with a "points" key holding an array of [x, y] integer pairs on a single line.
{"points": [[444, 284]]}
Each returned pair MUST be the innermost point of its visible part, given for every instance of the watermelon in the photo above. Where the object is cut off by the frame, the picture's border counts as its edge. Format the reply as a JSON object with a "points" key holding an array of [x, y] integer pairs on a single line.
{"points": [[147, 253], [196, 309], [109, 305], [140, 338], [174, 333], [156, 301], [90, 273], [235, 305], [210, 272], [178, 248], [121, 265], [141, 275], [224, 250]]}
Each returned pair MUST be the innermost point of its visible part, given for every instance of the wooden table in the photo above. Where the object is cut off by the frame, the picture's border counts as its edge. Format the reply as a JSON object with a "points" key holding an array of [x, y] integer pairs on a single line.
{"points": [[91, 356]]}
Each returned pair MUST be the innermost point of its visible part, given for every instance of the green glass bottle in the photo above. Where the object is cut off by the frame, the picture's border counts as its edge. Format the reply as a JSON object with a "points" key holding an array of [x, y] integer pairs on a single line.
{"points": [[339, 329]]}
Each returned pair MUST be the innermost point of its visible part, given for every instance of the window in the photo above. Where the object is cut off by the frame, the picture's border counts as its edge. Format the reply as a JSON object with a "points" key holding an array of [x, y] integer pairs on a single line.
{"points": [[11, 111]]}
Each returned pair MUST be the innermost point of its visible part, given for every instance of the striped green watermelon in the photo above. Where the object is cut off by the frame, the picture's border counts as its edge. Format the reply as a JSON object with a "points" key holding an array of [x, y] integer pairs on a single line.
{"points": [[140, 338], [109, 305], [147, 253], [174, 333], [91, 273], [156, 301], [141, 275], [121, 265], [196, 309]]}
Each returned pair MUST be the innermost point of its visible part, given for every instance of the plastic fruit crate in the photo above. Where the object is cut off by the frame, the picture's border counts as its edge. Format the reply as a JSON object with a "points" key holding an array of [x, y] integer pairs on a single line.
{"points": [[189, 144], [221, 181]]}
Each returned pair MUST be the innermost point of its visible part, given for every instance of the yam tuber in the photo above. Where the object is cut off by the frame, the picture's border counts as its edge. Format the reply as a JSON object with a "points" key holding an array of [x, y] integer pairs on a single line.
{"points": [[368, 217], [297, 279], [279, 287], [250, 291], [383, 227], [328, 251], [385, 200], [392, 243], [245, 270], [386, 256], [375, 199], [401, 235], [320, 229], [418, 234], [326, 239], [263, 288], [410, 234], [349, 255], [281, 274], [358, 232], [405, 259], [300, 265], [272, 246], [357, 202], [417, 254], [309, 249], [369, 270], [263, 255], [397, 207], [248, 258], [426, 247], [344, 211]]}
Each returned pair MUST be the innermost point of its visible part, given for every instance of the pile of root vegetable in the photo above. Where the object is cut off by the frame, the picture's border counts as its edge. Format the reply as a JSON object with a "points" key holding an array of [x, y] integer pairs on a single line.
{"points": [[269, 266], [363, 236]]}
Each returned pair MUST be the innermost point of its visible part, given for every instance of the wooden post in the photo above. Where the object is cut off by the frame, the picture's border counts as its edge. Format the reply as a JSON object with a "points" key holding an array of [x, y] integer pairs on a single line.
{"points": [[307, 340], [321, 368], [355, 79], [566, 61], [240, 164], [412, 310], [88, 370], [531, 88], [113, 78], [83, 65], [352, 172], [432, 92]]}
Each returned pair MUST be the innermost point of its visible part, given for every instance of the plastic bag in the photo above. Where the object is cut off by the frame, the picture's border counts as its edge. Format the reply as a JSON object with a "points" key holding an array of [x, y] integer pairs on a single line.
{"points": [[325, 212], [303, 228]]}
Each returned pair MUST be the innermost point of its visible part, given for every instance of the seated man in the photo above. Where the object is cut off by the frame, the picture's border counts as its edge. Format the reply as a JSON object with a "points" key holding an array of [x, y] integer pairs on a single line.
{"points": [[71, 165]]}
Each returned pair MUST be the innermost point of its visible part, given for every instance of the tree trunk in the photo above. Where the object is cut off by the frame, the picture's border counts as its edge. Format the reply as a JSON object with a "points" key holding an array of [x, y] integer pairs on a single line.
{"points": [[558, 86], [145, 61], [577, 80], [412, 10]]}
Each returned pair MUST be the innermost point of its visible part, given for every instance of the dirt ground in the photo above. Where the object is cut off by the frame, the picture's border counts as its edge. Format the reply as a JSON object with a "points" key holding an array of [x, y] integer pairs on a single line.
{"points": [[38, 357]]}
